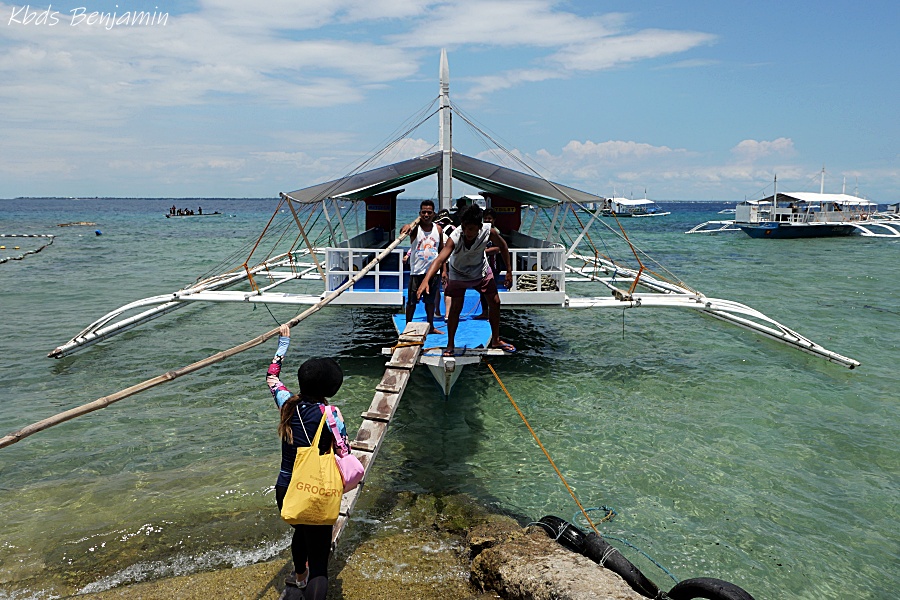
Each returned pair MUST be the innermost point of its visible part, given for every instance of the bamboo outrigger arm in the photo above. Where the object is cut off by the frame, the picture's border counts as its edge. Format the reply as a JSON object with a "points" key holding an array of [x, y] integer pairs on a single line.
{"points": [[207, 290], [725, 310], [62, 417], [664, 294]]}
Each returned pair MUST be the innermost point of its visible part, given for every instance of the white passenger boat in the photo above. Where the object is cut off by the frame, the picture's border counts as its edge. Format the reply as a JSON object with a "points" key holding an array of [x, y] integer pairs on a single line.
{"points": [[336, 244], [629, 207], [795, 215]]}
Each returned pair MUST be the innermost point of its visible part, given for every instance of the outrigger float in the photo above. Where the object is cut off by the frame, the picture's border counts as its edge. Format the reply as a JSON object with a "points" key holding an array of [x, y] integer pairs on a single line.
{"points": [[324, 237]]}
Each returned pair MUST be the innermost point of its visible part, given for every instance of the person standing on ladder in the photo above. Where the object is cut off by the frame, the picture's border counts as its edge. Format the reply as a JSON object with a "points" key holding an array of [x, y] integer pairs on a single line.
{"points": [[427, 242]]}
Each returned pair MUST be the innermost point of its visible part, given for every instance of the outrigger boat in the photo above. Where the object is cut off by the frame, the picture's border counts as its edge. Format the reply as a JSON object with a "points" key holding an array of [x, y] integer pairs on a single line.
{"points": [[337, 245], [806, 215], [629, 207]]}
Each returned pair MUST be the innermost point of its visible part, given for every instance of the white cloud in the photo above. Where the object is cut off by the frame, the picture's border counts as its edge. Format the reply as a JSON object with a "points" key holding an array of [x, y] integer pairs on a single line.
{"points": [[590, 161], [610, 51], [96, 74], [82, 103], [479, 87], [404, 149], [753, 150], [503, 23]]}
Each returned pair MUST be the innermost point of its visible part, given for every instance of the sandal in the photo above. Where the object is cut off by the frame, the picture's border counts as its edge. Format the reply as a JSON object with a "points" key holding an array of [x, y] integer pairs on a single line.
{"points": [[505, 346], [292, 580], [449, 352]]}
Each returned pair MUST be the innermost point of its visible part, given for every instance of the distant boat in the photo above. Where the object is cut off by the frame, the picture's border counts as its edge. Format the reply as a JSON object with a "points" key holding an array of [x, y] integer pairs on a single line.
{"points": [[796, 215], [891, 214], [627, 207], [803, 215], [212, 214]]}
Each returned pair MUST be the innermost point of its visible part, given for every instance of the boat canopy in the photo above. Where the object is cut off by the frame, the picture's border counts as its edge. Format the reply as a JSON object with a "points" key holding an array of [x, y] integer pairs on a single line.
{"points": [[813, 197], [631, 202], [511, 184]]}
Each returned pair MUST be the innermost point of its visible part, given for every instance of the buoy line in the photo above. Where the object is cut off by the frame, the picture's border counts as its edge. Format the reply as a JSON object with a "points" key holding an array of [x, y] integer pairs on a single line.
{"points": [[24, 235]]}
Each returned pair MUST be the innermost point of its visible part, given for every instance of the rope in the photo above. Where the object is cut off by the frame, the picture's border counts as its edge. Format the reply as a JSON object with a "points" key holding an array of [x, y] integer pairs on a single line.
{"points": [[26, 235], [406, 345], [547, 454], [610, 512]]}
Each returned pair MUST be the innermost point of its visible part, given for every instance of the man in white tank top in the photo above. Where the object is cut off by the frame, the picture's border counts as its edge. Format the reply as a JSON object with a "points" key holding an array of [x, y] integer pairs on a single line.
{"points": [[468, 268], [426, 242]]}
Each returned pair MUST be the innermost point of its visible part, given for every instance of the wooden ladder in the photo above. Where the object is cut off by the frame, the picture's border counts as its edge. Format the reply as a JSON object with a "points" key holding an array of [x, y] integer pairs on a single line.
{"points": [[376, 420]]}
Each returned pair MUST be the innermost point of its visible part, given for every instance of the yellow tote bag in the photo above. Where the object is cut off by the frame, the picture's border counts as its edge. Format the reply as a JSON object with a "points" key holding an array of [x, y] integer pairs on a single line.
{"points": [[314, 496]]}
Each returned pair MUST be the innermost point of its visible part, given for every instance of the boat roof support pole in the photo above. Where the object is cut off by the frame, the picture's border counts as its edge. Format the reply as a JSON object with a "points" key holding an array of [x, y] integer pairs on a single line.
{"points": [[534, 217], [333, 241], [312, 251], [582, 234], [337, 209], [553, 222], [445, 179]]}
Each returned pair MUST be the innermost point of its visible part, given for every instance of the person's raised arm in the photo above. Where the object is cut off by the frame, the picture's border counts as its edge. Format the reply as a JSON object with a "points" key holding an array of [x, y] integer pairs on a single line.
{"points": [[279, 391]]}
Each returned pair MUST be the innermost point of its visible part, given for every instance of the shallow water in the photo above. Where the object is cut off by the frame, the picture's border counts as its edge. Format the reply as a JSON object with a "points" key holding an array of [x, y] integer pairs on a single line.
{"points": [[725, 454]]}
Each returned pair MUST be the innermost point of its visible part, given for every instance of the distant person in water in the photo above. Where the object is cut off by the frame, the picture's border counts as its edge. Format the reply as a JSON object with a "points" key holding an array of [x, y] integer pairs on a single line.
{"points": [[427, 240], [468, 268]]}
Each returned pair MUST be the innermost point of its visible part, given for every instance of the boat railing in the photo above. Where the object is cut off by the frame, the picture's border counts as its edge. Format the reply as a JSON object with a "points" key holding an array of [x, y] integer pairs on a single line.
{"points": [[817, 215], [538, 276], [382, 285]]}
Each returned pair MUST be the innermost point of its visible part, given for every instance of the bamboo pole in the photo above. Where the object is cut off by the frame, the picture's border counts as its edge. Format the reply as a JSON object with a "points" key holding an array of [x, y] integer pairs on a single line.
{"points": [[105, 401]]}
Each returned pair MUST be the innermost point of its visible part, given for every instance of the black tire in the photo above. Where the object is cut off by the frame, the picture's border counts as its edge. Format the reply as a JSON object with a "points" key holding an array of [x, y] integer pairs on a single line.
{"points": [[601, 552], [571, 537], [707, 587]]}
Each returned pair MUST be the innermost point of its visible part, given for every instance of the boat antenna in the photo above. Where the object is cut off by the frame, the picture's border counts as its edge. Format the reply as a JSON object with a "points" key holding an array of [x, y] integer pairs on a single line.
{"points": [[445, 180]]}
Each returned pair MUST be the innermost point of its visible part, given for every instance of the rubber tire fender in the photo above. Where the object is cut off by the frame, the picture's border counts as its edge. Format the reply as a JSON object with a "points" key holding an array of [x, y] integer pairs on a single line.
{"points": [[572, 537], [601, 552], [707, 587]]}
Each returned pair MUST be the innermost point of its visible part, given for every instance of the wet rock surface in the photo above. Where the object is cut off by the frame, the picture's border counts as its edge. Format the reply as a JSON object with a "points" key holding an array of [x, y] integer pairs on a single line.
{"points": [[422, 547], [533, 566]]}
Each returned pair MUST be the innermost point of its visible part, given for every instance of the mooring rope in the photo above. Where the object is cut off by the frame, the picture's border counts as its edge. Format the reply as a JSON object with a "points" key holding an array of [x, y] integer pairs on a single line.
{"points": [[610, 512], [547, 454]]}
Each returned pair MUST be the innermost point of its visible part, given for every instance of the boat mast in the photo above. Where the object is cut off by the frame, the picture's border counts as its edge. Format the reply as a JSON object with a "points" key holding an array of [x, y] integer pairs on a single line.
{"points": [[774, 198], [445, 177], [822, 181]]}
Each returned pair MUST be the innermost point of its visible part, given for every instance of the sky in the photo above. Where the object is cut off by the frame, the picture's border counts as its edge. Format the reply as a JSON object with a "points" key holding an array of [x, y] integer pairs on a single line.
{"points": [[675, 100]]}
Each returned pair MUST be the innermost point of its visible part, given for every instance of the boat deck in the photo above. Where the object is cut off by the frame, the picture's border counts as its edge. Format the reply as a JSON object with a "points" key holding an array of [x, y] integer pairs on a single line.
{"points": [[471, 333]]}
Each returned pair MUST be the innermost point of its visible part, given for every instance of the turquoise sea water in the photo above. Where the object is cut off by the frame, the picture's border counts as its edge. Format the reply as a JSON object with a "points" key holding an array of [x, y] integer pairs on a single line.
{"points": [[725, 454]]}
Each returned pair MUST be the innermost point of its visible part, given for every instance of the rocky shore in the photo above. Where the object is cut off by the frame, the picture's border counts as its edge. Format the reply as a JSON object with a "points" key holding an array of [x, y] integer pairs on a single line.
{"points": [[446, 548]]}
